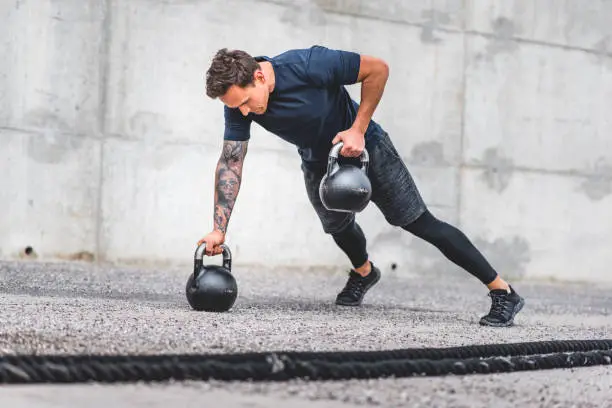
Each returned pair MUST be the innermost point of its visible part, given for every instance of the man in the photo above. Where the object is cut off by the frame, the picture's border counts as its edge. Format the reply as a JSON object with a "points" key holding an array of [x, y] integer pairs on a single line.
{"points": [[300, 96]]}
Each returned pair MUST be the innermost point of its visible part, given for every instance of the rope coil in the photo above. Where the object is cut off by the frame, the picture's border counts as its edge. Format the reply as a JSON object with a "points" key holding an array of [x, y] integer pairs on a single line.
{"points": [[284, 366]]}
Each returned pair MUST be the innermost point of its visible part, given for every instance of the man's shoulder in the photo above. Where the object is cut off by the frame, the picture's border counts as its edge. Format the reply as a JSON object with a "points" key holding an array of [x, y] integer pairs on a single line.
{"points": [[298, 55], [316, 65], [291, 66], [290, 56]]}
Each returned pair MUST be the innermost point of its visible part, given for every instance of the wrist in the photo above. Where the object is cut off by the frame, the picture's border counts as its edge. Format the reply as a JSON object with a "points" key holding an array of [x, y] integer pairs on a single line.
{"points": [[360, 126]]}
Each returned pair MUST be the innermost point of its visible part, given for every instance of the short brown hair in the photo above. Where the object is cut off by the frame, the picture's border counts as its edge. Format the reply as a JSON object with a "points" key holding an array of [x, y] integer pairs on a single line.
{"points": [[229, 68]]}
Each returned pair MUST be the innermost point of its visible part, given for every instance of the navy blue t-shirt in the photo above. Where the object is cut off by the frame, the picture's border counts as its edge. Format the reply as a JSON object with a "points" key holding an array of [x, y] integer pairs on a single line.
{"points": [[309, 104]]}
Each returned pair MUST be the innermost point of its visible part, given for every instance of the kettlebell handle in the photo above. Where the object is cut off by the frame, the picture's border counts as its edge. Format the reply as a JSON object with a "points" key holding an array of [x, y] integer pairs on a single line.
{"points": [[199, 255], [335, 152]]}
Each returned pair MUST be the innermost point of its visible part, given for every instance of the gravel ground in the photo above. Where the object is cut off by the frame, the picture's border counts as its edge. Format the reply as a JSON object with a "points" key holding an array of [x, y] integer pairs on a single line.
{"points": [[78, 307]]}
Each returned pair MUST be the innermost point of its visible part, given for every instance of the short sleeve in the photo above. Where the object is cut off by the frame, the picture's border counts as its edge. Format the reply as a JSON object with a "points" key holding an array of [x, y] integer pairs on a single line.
{"points": [[327, 67], [237, 126]]}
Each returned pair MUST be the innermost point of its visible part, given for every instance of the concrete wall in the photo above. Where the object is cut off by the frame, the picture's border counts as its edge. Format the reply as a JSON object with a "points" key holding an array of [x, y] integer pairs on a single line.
{"points": [[501, 110]]}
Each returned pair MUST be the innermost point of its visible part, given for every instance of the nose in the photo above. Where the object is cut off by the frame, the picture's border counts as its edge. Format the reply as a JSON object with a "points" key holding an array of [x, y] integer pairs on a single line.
{"points": [[244, 110]]}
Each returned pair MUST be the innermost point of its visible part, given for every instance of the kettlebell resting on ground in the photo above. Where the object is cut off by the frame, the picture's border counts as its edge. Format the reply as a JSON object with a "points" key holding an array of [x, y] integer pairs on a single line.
{"points": [[301, 97], [211, 288]]}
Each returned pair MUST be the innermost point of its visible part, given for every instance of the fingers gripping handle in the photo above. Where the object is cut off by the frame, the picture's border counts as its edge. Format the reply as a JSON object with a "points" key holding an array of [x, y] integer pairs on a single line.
{"points": [[199, 255], [335, 152]]}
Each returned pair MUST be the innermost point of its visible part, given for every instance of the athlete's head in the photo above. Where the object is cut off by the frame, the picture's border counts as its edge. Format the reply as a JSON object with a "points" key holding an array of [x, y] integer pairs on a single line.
{"points": [[238, 81]]}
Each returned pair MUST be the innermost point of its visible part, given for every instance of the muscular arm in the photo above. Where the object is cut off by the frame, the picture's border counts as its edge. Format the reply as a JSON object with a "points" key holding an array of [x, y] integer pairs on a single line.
{"points": [[373, 74], [227, 181]]}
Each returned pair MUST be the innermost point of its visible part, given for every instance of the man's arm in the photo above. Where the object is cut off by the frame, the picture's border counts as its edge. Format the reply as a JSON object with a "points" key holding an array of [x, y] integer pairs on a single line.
{"points": [[227, 181], [373, 75]]}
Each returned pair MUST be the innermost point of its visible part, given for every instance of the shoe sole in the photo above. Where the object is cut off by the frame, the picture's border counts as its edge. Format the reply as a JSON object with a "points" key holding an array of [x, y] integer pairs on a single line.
{"points": [[358, 303], [510, 322]]}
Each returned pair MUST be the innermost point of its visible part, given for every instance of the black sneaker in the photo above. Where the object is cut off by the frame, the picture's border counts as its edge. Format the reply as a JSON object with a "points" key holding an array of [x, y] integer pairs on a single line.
{"points": [[357, 286], [504, 306]]}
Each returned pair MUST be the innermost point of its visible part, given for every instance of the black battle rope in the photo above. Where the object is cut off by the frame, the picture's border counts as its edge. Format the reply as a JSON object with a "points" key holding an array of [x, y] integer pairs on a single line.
{"points": [[283, 366]]}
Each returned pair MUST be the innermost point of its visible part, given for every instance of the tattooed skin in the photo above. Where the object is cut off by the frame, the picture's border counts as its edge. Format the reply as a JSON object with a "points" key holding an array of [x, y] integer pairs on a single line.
{"points": [[227, 181]]}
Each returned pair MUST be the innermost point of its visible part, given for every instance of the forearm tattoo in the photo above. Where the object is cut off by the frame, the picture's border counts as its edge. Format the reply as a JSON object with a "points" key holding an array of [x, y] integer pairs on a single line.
{"points": [[227, 181]]}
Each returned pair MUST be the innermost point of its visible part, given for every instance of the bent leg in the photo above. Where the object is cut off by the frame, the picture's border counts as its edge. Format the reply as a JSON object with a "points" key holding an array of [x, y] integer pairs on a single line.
{"points": [[341, 226], [349, 237], [331, 221]]}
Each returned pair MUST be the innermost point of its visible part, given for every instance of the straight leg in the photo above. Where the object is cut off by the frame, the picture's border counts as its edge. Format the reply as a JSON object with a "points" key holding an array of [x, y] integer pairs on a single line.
{"points": [[455, 246], [397, 196]]}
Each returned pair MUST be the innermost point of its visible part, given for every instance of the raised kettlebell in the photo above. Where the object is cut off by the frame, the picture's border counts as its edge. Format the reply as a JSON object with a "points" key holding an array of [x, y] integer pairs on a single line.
{"points": [[345, 188], [212, 288]]}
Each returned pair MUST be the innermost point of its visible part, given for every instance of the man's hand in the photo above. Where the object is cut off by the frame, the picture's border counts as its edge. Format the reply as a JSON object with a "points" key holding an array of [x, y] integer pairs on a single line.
{"points": [[354, 142], [213, 242]]}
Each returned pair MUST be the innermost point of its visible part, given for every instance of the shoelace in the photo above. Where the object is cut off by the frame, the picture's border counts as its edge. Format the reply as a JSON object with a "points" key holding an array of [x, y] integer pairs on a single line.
{"points": [[498, 305], [354, 286]]}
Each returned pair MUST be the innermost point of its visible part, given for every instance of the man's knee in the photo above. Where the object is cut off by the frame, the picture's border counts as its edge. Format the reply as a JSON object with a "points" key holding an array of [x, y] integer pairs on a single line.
{"points": [[428, 227], [335, 225], [347, 228], [434, 231]]}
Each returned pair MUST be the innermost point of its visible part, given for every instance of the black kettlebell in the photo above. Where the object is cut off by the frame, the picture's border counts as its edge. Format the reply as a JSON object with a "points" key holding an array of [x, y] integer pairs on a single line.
{"points": [[345, 188], [212, 288]]}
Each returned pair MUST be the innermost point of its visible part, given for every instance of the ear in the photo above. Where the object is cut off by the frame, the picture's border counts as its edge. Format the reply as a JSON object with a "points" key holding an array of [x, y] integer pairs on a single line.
{"points": [[259, 76]]}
